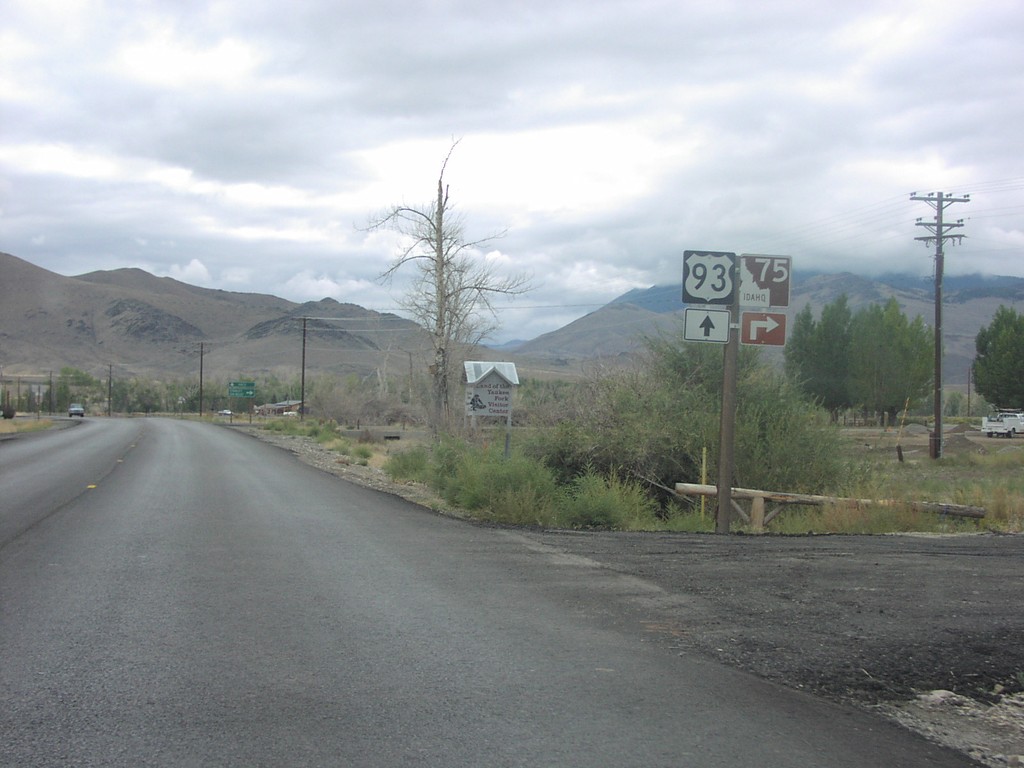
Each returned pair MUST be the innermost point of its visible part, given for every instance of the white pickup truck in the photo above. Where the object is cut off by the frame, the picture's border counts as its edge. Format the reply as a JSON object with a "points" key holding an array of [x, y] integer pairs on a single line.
{"points": [[1003, 424]]}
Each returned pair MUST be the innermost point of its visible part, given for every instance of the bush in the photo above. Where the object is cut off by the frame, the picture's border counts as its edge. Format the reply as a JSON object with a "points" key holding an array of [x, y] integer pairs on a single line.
{"points": [[483, 477], [411, 465], [595, 501], [364, 453], [518, 490], [446, 458], [626, 424], [323, 431], [784, 443], [652, 424], [529, 505]]}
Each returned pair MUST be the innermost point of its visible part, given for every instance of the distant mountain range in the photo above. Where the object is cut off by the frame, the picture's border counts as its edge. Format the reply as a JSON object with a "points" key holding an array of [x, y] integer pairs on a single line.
{"points": [[140, 324], [157, 327], [618, 329]]}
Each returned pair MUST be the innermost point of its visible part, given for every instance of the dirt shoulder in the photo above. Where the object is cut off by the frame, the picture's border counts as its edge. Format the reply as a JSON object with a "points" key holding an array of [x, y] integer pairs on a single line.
{"points": [[926, 630]]}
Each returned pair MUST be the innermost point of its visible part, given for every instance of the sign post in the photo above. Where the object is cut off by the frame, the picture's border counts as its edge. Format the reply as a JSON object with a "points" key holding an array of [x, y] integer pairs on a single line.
{"points": [[489, 388], [245, 389], [723, 279], [727, 426]]}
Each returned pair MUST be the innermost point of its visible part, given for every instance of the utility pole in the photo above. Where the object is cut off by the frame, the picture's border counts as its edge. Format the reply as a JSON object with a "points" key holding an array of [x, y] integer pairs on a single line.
{"points": [[202, 350], [939, 201], [970, 377], [302, 394]]}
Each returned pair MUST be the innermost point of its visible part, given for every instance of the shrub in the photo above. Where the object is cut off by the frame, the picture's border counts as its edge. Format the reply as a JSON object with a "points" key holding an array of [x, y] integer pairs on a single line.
{"points": [[518, 490], [652, 425], [338, 445], [485, 476], [783, 443], [595, 501], [446, 458], [364, 453], [324, 433], [409, 465], [625, 423], [529, 505]]}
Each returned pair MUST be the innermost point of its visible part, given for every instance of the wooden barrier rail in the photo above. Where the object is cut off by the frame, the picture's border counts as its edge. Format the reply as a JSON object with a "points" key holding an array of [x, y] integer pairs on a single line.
{"points": [[758, 519]]}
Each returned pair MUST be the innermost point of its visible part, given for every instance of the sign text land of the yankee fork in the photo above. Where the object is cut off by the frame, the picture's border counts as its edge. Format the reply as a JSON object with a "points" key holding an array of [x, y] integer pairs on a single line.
{"points": [[489, 398]]}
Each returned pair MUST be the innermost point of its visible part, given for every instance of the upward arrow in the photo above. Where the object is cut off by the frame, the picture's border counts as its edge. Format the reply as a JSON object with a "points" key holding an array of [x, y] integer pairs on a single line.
{"points": [[707, 326]]}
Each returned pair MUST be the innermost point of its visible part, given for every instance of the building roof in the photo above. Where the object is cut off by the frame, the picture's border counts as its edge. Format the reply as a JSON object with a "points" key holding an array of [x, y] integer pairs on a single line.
{"points": [[477, 370]]}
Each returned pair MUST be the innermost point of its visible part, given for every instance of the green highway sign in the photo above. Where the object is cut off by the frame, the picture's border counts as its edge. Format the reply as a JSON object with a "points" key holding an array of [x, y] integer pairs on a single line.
{"points": [[241, 389]]}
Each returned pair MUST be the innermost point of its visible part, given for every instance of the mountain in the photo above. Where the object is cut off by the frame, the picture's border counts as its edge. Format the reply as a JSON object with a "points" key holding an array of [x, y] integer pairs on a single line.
{"points": [[617, 329], [157, 326], [141, 324], [613, 331]]}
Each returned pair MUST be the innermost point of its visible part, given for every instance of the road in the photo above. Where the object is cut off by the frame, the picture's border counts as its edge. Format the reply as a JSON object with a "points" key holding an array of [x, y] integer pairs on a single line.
{"points": [[178, 594]]}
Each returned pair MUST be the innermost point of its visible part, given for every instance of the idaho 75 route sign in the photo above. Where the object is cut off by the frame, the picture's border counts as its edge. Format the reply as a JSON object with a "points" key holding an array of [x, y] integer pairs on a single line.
{"points": [[764, 280], [709, 277]]}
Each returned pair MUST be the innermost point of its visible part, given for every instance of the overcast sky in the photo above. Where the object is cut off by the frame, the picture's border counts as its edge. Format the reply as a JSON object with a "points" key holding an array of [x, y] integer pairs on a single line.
{"points": [[245, 145]]}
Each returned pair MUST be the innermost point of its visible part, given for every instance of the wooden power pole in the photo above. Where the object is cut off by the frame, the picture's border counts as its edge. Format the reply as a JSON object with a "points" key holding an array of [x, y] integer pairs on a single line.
{"points": [[938, 228]]}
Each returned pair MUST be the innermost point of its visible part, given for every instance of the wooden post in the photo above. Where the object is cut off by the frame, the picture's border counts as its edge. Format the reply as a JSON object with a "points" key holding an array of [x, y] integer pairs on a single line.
{"points": [[727, 424], [757, 514], [778, 497]]}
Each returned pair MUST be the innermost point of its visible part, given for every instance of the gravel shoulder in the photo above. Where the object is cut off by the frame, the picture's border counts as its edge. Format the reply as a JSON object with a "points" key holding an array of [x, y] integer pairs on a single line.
{"points": [[925, 630]]}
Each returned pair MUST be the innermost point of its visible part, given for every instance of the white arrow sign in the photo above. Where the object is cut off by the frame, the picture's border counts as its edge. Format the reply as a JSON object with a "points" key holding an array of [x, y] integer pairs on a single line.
{"points": [[767, 325], [765, 328], [706, 325]]}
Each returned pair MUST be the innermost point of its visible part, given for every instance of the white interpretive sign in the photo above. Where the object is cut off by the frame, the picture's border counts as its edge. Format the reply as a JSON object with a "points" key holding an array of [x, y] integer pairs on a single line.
{"points": [[489, 388]]}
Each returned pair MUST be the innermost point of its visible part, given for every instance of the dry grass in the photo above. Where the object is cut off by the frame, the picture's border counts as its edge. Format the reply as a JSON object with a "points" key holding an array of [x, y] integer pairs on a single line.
{"points": [[13, 426], [974, 470]]}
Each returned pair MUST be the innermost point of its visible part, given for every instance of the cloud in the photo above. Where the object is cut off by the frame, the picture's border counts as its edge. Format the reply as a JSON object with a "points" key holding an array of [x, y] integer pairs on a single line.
{"points": [[195, 272], [237, 146]]}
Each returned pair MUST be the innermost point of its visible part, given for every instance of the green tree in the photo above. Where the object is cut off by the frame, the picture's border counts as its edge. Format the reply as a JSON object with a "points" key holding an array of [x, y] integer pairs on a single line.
{"points": [[955, 405], [817, 354], [74, 385], [890, 359], [999, 363]]}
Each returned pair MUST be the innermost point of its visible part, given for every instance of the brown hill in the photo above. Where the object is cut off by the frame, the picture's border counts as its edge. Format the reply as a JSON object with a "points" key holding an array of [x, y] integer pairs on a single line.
{"points": [[157, 326], [616, 330], [619, 328]]}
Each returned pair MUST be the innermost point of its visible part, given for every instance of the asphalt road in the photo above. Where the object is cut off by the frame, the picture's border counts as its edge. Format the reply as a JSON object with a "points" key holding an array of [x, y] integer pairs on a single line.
{"points": [[175, 593]]}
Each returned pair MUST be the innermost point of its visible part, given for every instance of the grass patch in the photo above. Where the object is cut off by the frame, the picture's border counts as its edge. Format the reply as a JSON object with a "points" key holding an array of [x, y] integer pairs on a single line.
{"points": [[17, 426], [329, 435], [985, 473]]}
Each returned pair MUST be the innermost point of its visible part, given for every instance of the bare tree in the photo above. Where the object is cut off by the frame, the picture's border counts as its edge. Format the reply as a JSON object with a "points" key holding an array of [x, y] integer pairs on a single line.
{"points": [[453, 292]]}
